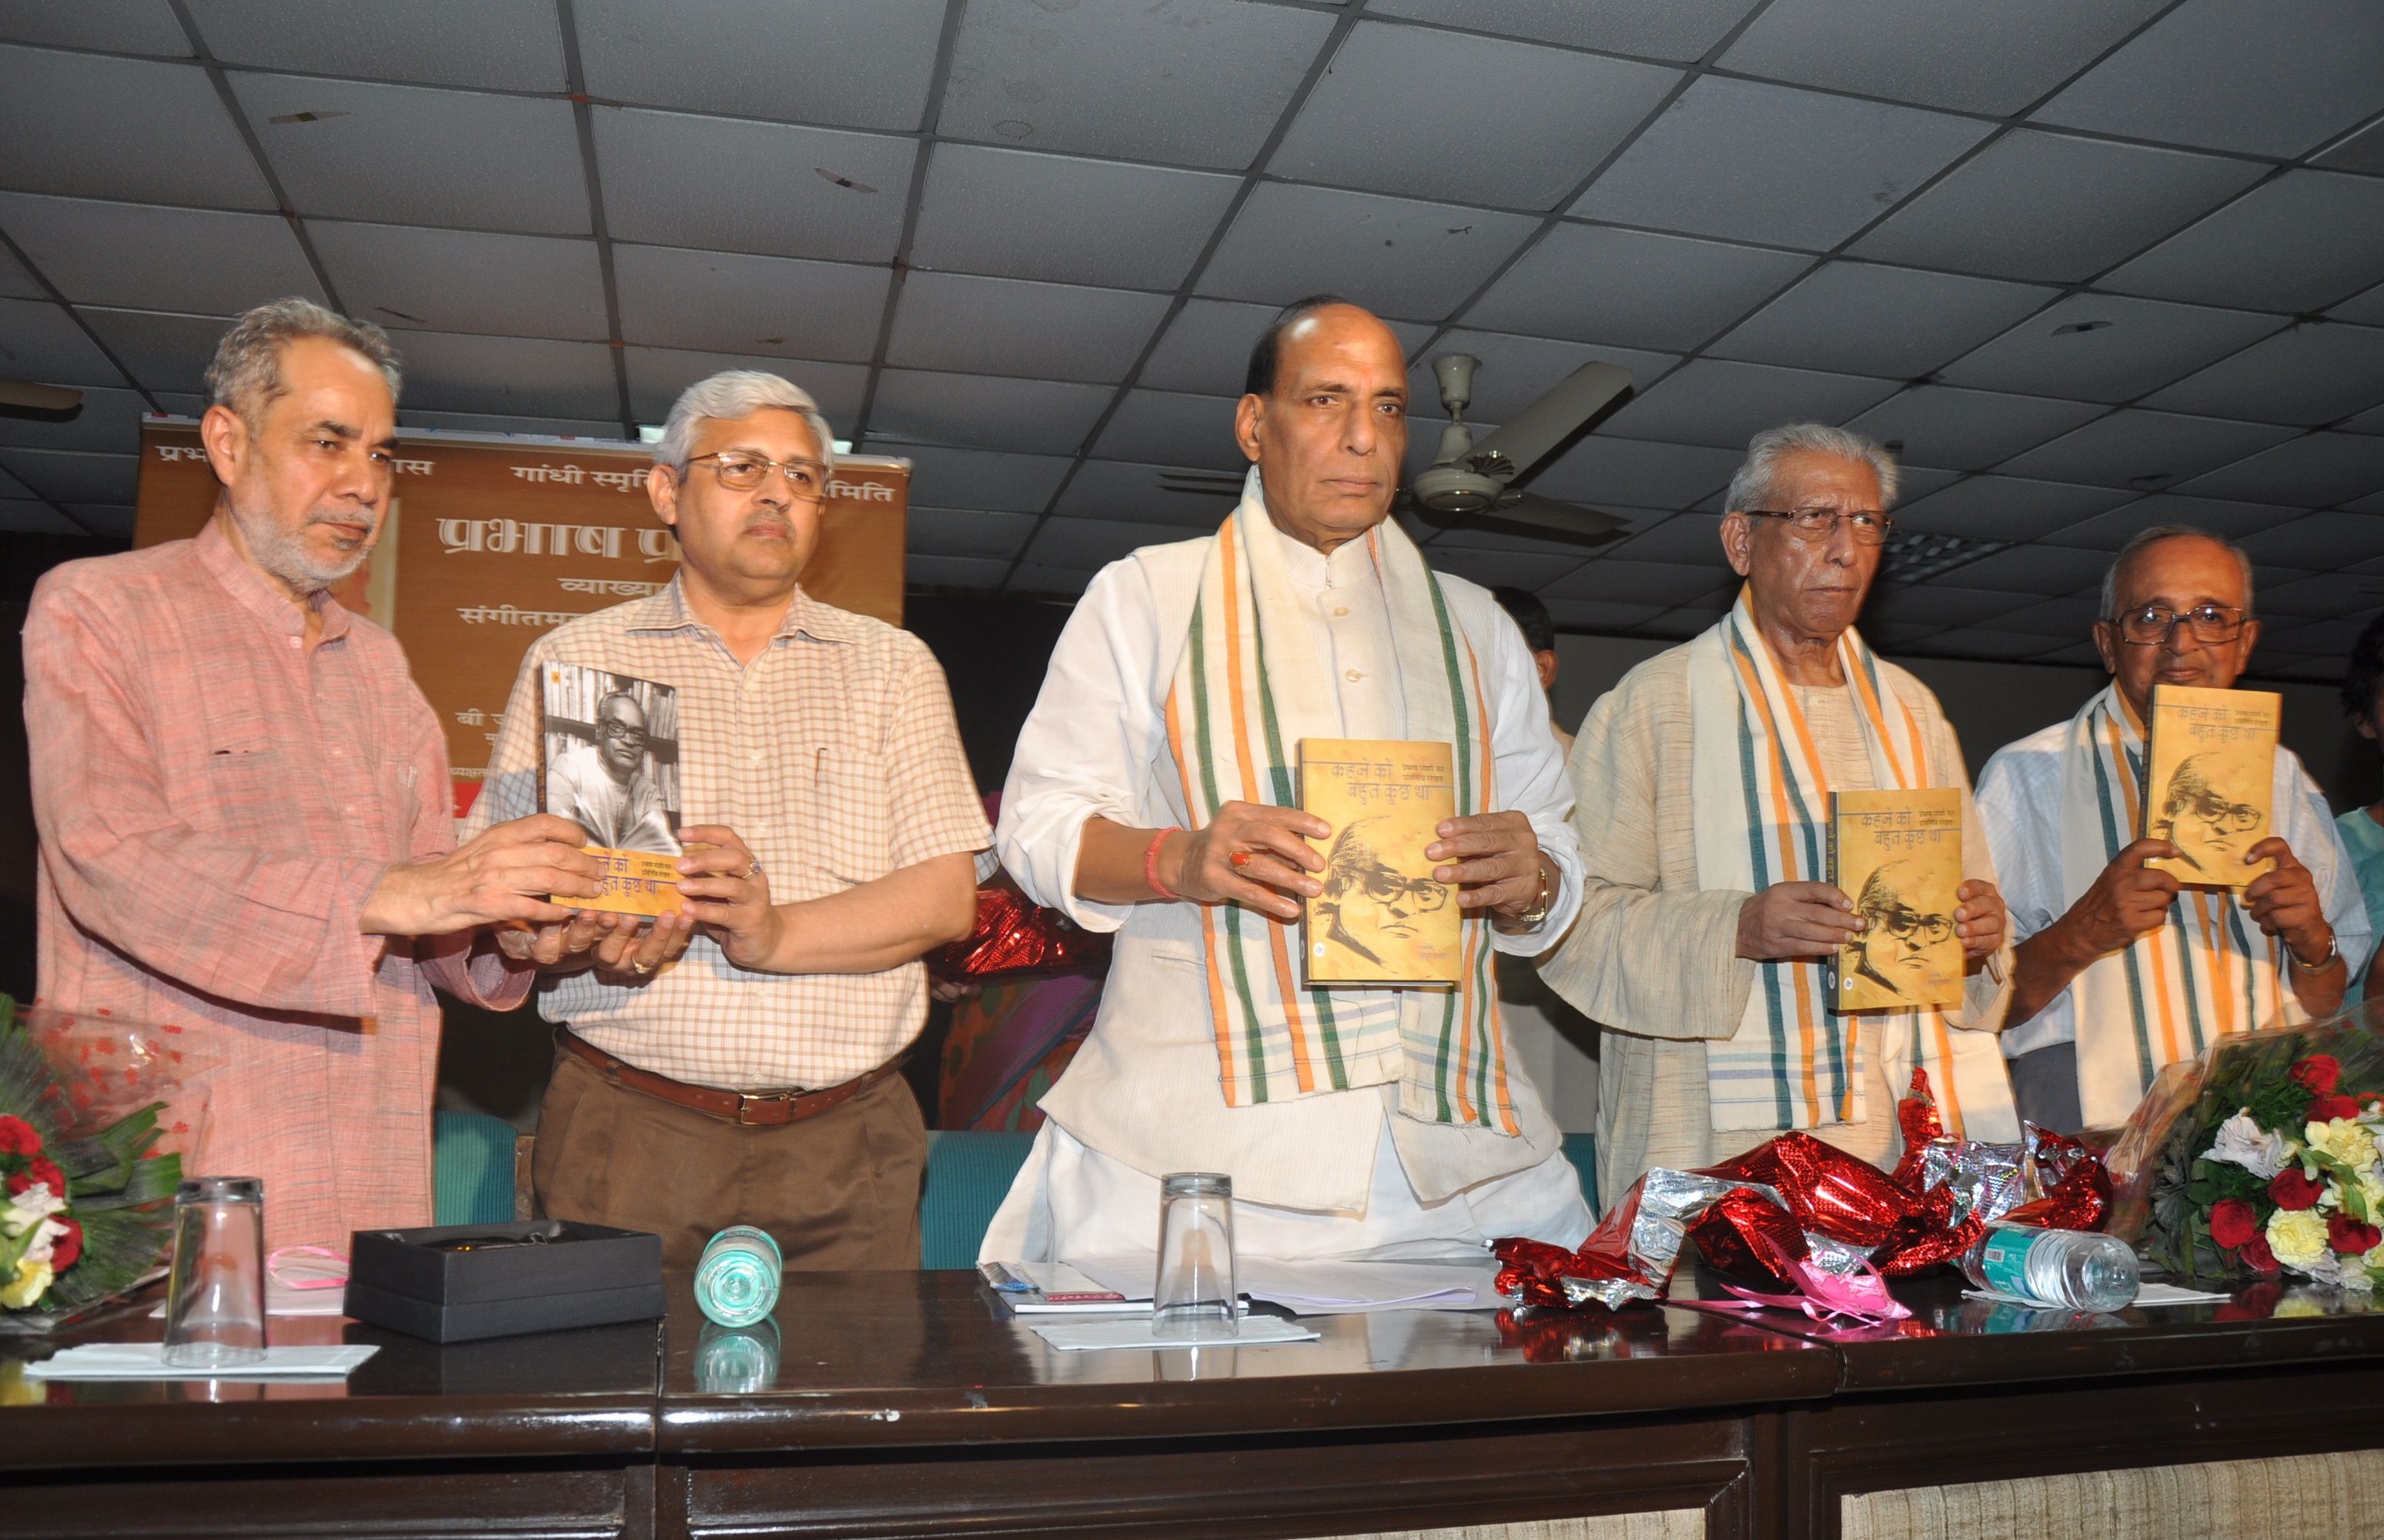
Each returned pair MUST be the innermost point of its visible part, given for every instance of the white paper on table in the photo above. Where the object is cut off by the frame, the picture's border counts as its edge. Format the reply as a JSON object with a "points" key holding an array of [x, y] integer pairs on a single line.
{"points": [[1071, 1336], [2170, 1294], [146, 1361], [1327, 1287], [281, 1299]]}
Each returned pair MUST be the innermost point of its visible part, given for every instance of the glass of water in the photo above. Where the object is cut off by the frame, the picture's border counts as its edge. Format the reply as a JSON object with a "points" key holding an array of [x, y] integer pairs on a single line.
{"points": [[215, 1305], [1194, 1295]]}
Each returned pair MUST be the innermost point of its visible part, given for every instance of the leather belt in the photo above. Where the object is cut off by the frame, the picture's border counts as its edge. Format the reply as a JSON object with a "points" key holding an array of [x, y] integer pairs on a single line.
{"points": [[753, 1108]]}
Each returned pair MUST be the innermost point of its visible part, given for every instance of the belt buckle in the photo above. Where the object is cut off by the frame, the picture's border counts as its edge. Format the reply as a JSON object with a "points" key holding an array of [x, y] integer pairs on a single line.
{"points": [[746, 1102]]}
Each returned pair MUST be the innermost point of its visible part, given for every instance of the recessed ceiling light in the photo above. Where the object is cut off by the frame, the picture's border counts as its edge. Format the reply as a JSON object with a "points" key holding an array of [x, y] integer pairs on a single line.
{"points": [[844, 181], [2082, 326]]}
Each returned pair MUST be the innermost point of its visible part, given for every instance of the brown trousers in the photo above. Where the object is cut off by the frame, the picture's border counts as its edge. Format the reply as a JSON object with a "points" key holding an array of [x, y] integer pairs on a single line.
{"points": [[837, 1192]]}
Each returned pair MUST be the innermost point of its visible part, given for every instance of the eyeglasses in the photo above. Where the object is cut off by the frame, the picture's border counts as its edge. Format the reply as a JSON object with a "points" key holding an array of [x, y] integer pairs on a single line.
{"points": [[2151, 625], [1384, 886], [623, 731], [1903, 923], [2212, 808], [1870, 527], [741, 473]]}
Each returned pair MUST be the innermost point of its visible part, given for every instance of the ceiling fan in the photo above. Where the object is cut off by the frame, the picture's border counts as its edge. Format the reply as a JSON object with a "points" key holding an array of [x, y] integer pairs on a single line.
{"points": [[38, 398], [1471, 483]]}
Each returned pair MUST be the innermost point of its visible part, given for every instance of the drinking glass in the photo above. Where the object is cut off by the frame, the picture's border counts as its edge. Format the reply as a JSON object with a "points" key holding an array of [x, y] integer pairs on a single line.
{"points": [[1194, 1295], [215, 1305]]}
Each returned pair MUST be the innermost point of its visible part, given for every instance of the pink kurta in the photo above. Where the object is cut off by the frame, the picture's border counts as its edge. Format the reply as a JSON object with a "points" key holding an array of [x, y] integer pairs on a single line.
{"points": [[216, 802]]}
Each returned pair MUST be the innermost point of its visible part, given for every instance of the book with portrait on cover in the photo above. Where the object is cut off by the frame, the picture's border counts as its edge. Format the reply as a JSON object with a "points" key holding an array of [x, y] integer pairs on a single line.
{"points": [[608, 761], [1898, 856], [1382, 919], [2210, 765]]}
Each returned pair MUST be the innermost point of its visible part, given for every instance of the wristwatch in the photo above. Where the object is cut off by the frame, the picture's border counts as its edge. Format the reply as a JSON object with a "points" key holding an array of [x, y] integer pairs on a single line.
{"points": [[2333, 950], [1542, 904]]}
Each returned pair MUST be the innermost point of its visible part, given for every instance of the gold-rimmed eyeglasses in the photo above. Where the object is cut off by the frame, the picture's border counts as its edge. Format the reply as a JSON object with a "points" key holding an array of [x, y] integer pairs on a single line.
{"points": [[1869, 525], [2150, 624], [741, 472]]}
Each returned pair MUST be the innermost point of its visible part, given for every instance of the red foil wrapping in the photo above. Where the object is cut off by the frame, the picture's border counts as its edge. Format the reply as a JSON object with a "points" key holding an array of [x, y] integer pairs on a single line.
{"points": [[1843, 1197], [1013, 935], [2076, 1186], [1748, 1238]]}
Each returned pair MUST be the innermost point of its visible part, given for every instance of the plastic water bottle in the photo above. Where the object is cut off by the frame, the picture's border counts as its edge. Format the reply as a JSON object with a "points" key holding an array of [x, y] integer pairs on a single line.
{"points": [[736, 1282], [2073, 1269]]}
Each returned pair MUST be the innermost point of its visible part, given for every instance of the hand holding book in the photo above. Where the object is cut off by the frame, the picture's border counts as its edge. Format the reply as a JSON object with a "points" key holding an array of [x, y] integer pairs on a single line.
{"points": [[2285, 903]]}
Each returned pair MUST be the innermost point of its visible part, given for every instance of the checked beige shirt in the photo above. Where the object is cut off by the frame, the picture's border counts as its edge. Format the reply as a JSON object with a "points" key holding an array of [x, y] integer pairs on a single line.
{"points": [[834, 755]]}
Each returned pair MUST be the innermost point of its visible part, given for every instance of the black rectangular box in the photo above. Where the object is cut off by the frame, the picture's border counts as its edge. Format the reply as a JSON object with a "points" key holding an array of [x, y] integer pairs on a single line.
{"points": [[573, 1275]]}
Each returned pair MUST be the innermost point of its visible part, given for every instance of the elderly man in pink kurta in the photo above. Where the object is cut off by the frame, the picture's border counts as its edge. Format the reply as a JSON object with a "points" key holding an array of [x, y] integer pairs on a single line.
{"points": [[242, 800]]}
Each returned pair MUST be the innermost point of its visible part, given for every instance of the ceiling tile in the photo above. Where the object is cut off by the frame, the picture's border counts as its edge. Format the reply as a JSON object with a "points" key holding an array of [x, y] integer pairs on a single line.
{"points": [[71, 476], [1005, 326], [139, 130], [342, 162], [1162, 428], [403, 275], [115, 521], [2005, 508], [1596, 615], [1678, 29], [2335, 636], [2330, 542], [2078, 654], [1515, 569], [108, 422], [118, 25], [2305, 375], [164, 351], [1993, 57], [1112, 489], [1690, 539], [1751, 161], [1559, 114], [1037, 579], [2374, 504], [954, 532], [2232, 520], [1089, 544], [1595, 284], [1517, 371], [1665, 583], [498, 422], [1934, 604], [107, 254], [2369, 307], [515, 375], [2052, 207], [1022, 75], [2366, 422], [2034, 569], [1710, 400], [495, 44], [1043, 417], [2126, 348], [1991, 646], [1206, 347], [953, 572], [1601, 469], [658, 376], [971, 477], [722, 183], [1863, 317], [2327, 596], [2298, 243], [1954, 430], [2313, 471], [2244, 75], [2363, 150], [2148, 450], [1064, 218], [2314, 670], [16, 283], [768, 60], [1390, 255], [40, 341], [23, 516], [716, 301], [1471, 536]]}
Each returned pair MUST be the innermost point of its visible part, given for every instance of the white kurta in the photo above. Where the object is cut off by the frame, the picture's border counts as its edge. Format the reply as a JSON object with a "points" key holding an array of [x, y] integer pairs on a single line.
{"points": [[1143, 1098]]}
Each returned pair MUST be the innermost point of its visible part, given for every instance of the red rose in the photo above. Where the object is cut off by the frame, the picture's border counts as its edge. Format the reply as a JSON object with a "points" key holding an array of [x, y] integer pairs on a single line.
{"points": [[67, 1250], [2295, 1191], [2234, 1222], [2257, 1256], [39, 1169], [2350, 1237], [2326, 1109], [16, 1138], [2320, 1072]]}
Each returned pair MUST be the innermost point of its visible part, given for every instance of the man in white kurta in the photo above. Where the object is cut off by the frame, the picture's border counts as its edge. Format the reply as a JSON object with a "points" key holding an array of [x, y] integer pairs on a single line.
{"points": [[1702, 969], [2162, 970], [1362, 1171]]}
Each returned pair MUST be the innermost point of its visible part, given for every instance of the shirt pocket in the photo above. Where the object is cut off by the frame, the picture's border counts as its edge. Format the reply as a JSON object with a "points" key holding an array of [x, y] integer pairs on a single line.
{"points": [[847, 831], [244, 790]]}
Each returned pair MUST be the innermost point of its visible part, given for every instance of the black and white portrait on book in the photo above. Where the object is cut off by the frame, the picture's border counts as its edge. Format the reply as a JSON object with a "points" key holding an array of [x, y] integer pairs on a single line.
{"points": [[612, 757]]}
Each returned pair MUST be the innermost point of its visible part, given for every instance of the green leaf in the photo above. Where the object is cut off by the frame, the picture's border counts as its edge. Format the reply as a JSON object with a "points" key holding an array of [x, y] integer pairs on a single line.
{"points": [[152, 1181]]}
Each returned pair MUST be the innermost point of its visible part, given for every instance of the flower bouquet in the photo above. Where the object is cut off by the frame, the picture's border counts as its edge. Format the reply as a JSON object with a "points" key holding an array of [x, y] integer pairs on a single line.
{"points": [[2259, 1156], [85, 1204]]}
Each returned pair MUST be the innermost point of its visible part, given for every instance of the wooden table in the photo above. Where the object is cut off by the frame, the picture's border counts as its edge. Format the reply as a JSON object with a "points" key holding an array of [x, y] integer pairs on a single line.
{"points": [[908, 1404]]}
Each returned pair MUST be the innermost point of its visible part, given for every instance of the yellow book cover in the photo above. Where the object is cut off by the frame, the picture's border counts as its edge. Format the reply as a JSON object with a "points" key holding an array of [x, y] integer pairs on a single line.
{"points": [[1382, 919], [608, 761], [2210, 761], [1898, 855]]}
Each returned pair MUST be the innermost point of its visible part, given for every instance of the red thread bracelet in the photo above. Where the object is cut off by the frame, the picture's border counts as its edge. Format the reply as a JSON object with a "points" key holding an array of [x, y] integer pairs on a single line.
{"points": [[1150, 865]]}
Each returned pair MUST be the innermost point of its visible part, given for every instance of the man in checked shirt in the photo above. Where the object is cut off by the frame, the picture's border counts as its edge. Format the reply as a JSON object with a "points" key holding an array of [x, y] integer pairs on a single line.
{"points": [[831, 826]]}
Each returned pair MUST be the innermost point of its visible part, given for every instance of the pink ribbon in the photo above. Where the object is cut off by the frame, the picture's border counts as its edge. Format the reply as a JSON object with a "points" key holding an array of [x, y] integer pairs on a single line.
{"points": [[1861, 1297], [309, 1258]]}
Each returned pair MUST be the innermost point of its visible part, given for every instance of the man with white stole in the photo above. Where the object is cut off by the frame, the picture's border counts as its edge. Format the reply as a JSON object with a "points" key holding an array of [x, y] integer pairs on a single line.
{"points": [[1701, 794], [1153, 794], [2120, 970]]}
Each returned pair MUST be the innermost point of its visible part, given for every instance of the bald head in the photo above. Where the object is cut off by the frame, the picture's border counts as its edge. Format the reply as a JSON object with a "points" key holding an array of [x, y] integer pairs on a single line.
{"points": [[1328, 431]]}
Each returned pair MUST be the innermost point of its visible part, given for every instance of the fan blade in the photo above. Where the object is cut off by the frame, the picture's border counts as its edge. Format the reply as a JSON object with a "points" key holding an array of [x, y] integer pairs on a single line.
{"points": [[1550, 421], [39, 398], [1545, 514]]}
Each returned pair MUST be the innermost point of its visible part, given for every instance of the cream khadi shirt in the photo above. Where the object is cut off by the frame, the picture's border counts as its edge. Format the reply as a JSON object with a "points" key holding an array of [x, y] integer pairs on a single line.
{"points": [[1654, 959], [1145, 1088]]}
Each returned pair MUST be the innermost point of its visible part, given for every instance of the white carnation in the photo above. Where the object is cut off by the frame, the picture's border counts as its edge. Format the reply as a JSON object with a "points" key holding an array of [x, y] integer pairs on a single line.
{"points": [[29, 1207], [45, 1240], [2244, 1143]]}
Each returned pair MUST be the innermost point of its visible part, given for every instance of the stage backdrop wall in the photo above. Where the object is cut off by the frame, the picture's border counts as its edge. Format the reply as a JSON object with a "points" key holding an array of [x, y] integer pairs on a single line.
{"points": [[492, 540]]}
